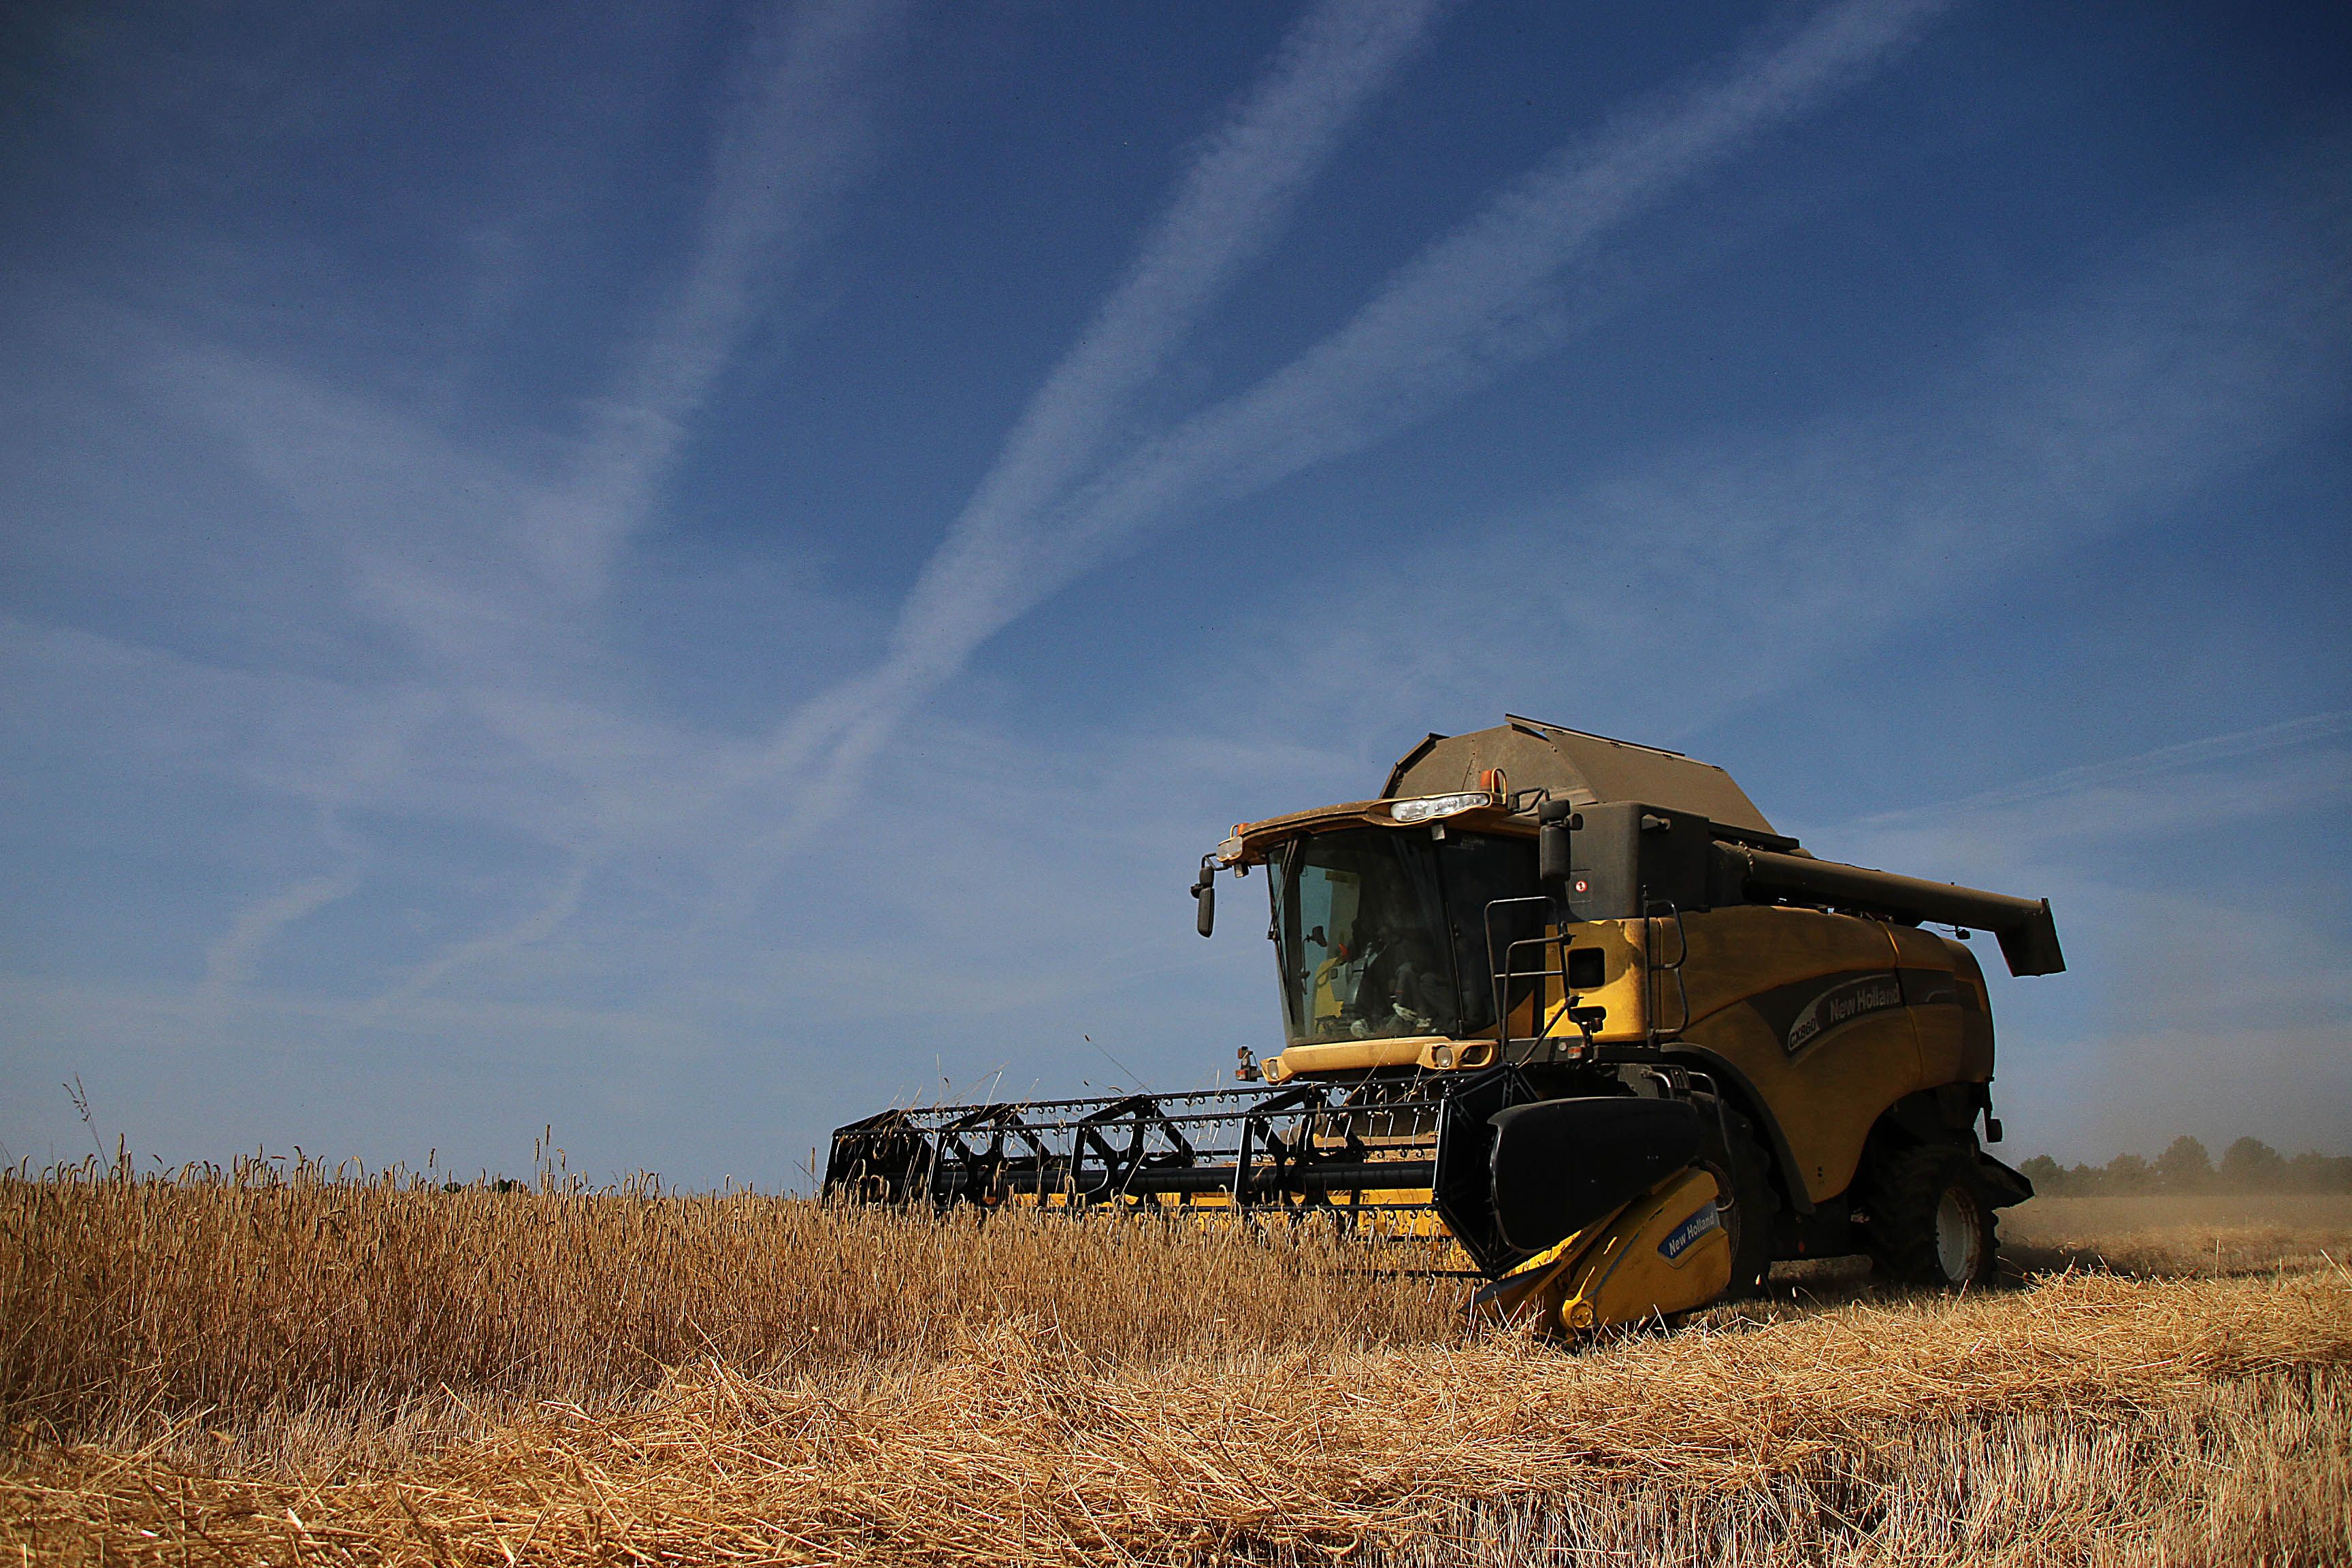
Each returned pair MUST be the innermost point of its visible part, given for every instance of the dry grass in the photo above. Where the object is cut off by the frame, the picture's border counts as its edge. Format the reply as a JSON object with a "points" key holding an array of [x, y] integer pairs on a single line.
{"points": [[2215, 1234], [281, 1303], [242, 1372]]}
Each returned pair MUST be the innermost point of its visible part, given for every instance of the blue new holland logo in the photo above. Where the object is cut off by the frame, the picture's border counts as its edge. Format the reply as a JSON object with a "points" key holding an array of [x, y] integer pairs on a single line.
{"points": [[1679, 1240]]}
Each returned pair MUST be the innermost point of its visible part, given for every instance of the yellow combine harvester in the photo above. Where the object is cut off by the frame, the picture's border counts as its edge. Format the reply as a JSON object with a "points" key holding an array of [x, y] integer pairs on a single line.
{"points": [[1575, 1001]]}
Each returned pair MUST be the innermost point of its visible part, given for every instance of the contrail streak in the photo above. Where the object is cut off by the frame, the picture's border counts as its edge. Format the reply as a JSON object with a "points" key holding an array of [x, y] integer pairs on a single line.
{"points": [[2309, 729], [796, 138], [1476, 304], [792, 142], [1232, 201], [228, 960]]}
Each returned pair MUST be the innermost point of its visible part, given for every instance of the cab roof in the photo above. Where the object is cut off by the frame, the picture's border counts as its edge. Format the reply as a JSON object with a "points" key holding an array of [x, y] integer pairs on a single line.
{"points": [[1581, 768], [1537, 761]]}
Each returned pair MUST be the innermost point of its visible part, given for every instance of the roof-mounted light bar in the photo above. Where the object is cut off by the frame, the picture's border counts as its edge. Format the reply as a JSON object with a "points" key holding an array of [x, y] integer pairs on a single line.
{"points": [[1431, 807], [1493, 790], [1250, 842]]}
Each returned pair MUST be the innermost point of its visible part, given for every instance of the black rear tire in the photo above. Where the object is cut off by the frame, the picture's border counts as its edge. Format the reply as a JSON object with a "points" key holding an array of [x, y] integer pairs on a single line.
{"points": [[1749, 1202], [1929, 1222]]}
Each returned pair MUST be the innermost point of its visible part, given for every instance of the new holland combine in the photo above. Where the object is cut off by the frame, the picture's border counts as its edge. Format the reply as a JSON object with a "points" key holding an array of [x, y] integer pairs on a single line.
{"points": [[1575, 1001]]}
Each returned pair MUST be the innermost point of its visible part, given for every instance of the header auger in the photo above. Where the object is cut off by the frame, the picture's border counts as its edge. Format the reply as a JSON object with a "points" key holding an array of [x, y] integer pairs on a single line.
{"points": [[1576, 1004]]}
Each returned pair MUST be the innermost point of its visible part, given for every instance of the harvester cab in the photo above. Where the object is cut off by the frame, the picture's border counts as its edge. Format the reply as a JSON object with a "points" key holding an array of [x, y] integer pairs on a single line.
{"points": [[1575, 1004]]}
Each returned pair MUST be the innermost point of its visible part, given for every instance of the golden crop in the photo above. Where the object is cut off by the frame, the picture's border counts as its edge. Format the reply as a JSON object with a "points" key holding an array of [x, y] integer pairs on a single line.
{"points": [[266, 1366]]}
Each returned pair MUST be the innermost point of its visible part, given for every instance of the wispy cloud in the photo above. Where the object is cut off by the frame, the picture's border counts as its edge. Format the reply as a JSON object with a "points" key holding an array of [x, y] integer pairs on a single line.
{"points": [[478, 558], [1767, 553], [229, 960], [797, 136], [1244, 183], [485, 568], [2184, 756], [1484, 298], [2039, 827], [2204, 994], [1488, 296], [1246, 176]]}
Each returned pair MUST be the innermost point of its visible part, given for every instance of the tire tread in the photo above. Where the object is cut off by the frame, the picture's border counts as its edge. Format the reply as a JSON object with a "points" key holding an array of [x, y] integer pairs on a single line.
{"points": [[1904, 1191]]}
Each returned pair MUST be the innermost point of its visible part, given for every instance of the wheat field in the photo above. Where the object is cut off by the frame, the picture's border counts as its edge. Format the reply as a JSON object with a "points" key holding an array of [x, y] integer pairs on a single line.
{"points": [[274, 1364]]}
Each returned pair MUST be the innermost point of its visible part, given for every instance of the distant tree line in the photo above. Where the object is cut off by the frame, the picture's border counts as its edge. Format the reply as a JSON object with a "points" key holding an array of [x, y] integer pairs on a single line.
{"points": [[2249, 1165]]}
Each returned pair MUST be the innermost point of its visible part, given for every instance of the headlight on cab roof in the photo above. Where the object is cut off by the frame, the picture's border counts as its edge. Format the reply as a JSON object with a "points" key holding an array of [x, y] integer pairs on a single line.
{"points": [[1430, 808]]}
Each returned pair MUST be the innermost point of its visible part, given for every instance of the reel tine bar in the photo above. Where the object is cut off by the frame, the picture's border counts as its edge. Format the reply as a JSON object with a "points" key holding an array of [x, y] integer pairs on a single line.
{"points": [[1249, 1148]]}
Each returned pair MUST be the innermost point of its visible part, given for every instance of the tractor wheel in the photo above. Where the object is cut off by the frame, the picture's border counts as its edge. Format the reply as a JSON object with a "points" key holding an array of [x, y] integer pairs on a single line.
{"points": [[1929, 1222], [1750, 1203]]}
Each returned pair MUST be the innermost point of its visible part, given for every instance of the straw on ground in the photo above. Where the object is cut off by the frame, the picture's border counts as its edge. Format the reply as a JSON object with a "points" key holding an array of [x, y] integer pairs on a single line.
{"points": [[248, 1367]]}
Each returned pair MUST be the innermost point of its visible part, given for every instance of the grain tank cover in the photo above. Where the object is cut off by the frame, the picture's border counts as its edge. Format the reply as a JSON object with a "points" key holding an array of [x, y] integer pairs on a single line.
{"points": [[1584, 770]]}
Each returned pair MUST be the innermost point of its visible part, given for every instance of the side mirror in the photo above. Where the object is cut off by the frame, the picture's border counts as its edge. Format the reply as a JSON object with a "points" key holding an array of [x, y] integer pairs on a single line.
{"points": [[1556, 821], [1206, 890]]}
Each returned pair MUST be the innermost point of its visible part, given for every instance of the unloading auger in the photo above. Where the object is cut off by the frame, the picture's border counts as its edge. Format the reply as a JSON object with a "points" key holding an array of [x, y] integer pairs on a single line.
{"points": [[1574, 1003]]}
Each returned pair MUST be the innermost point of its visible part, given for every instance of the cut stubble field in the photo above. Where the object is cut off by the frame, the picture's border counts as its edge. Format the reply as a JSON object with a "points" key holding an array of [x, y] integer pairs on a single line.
{"points": [[264, 1366]]}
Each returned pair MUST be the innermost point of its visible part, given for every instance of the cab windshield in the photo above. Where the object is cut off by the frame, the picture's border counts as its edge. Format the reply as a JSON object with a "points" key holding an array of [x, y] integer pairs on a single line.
{"points": [[1383, 931]]}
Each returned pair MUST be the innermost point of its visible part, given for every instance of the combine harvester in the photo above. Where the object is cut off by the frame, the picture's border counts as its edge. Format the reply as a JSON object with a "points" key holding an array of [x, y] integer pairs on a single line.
{"points": [[1575, 1001]]}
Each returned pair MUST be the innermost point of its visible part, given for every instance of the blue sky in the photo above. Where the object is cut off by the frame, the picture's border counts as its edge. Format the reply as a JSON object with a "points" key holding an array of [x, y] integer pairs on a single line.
{"points": [[684, 571]]}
